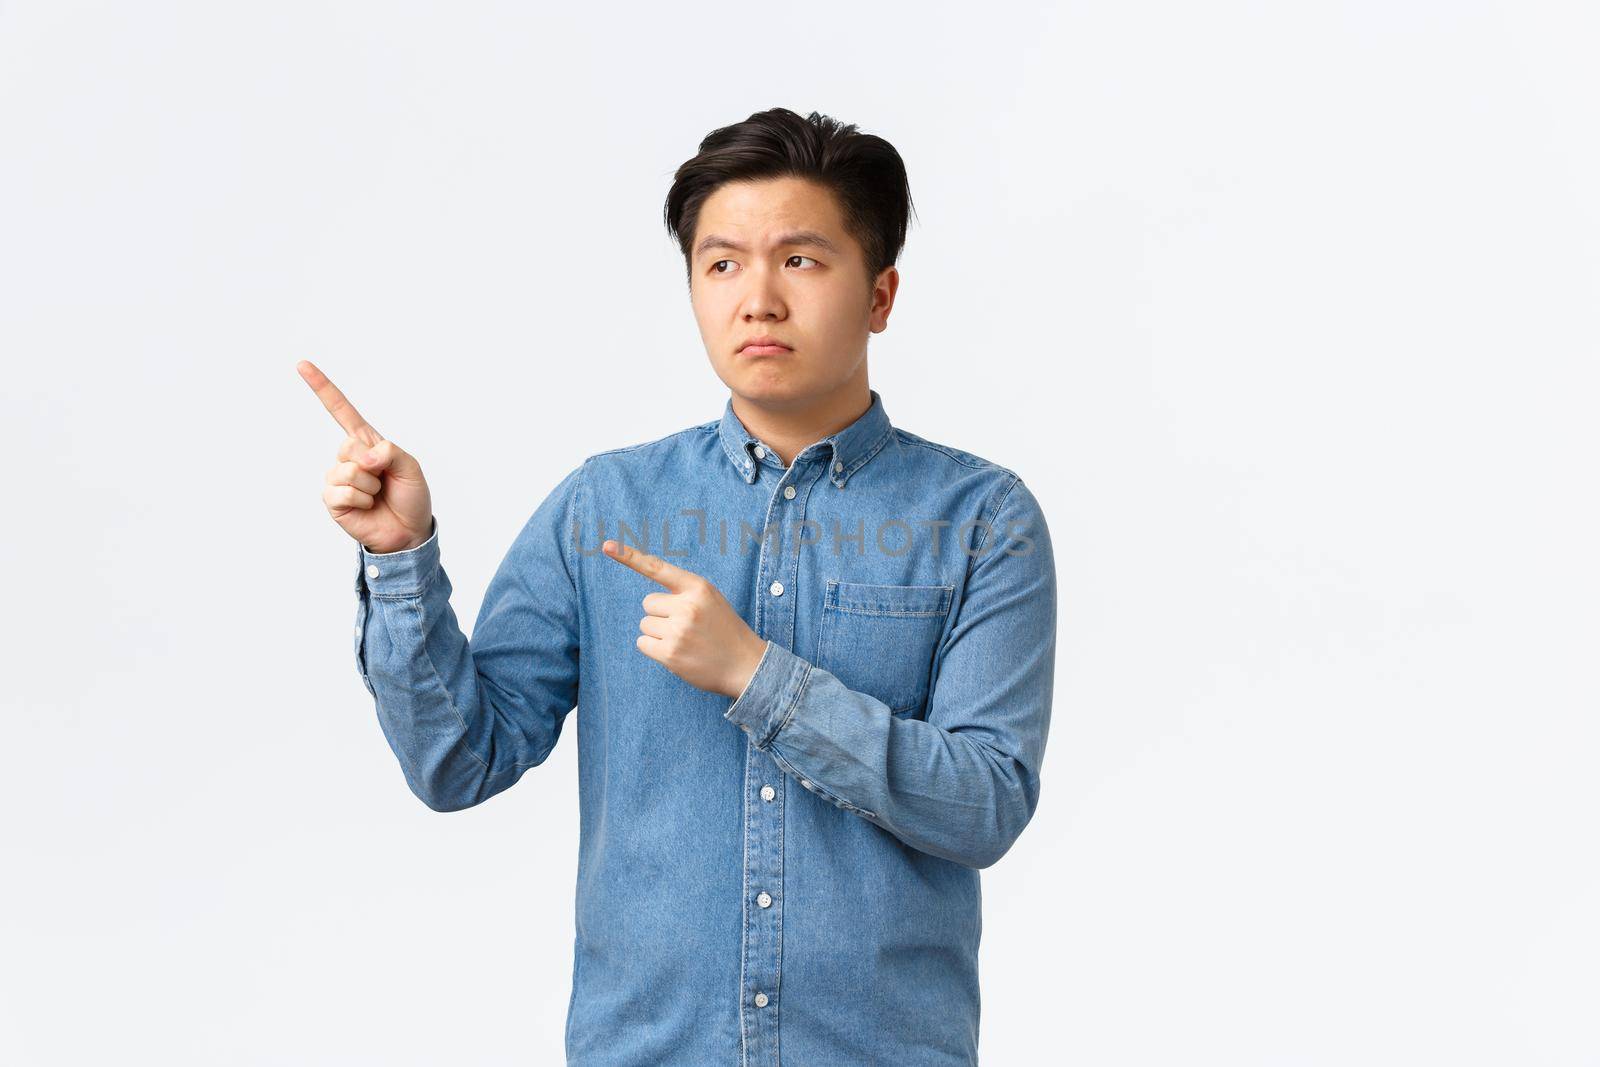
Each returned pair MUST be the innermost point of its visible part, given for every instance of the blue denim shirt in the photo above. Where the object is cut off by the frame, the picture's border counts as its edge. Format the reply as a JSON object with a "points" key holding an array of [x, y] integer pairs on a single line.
{"points": [[792, 873]]}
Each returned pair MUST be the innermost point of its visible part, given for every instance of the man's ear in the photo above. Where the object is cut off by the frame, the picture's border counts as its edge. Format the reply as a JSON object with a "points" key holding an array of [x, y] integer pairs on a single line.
{"points": [[884, 288]]}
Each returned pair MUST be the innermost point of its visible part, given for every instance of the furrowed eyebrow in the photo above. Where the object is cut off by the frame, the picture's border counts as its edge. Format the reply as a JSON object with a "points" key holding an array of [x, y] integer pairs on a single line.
{"points": [[796, 237]]}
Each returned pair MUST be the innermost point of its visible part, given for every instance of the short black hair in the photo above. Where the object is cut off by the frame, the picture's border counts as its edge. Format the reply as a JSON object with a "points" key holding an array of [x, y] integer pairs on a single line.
{"points": [[862, 170]]}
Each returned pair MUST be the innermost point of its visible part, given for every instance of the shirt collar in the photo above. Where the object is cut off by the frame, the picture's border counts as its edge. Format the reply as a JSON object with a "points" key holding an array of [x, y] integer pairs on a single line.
{"points": [[845, 450]]}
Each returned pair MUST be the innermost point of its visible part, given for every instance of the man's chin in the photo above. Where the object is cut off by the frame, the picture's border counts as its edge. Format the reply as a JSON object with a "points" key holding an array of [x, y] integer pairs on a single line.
{"points": [[780, 398], [769, 385]]}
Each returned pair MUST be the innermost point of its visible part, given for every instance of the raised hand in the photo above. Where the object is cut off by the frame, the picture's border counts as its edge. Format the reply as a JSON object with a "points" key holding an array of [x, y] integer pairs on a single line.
{"points": [[376, 492], [692, 630]]}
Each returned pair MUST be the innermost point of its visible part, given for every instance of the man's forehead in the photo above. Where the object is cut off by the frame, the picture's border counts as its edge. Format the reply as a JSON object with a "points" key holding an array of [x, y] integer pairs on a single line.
{"points": [[768, 212]]}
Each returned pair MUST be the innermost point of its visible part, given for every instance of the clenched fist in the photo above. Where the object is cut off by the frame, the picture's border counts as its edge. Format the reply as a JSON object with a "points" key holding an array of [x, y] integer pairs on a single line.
{"points": [[692, 630], [376, 492]]}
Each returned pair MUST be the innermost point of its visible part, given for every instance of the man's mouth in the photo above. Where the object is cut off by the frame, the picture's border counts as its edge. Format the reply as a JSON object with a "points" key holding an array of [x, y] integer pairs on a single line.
{"points": [[763, 346]]}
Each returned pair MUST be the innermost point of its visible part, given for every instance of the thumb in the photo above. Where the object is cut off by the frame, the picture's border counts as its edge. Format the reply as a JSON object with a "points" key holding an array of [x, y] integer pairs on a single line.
{"points": [[388, 456]]}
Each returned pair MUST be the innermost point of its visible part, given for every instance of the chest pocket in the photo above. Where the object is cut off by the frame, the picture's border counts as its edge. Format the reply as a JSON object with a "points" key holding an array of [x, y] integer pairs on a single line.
{"points": [[880, 639]]}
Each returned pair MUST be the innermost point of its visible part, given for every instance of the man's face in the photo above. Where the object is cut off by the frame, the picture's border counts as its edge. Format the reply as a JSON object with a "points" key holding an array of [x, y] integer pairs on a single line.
{"points": [[772, 258]]}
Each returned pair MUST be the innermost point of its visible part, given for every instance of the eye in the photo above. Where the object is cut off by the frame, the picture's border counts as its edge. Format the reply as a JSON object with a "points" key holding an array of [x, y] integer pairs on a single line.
{"points": [[716, 267]]}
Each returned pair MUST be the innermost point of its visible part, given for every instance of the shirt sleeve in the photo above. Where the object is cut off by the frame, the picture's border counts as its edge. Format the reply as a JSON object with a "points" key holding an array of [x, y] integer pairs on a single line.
{"points": [[466, 718], [963, 782]]}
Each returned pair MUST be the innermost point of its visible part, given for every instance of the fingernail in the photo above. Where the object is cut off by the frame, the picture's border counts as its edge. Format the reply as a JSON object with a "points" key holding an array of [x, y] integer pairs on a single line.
{"points": [[372, 457]]}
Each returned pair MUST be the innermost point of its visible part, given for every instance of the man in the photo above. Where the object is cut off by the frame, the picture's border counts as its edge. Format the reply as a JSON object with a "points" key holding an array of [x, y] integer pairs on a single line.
{"points": [[832, 712]]}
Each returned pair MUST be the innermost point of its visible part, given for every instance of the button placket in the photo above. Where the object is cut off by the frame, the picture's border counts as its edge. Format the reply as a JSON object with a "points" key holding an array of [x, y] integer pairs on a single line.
{"points": [[777, 564], [763, 923]]}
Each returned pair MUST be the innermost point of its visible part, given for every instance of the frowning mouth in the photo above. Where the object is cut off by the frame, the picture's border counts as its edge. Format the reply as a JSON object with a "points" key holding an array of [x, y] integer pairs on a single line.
{"points": [[763, 346]]}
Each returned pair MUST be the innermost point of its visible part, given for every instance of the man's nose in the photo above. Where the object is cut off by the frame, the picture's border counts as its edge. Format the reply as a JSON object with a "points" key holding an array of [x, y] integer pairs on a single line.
{"points": [[764, 298]]}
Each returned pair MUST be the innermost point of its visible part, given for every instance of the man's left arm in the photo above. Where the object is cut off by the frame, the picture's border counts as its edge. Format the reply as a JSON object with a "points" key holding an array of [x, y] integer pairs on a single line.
{"points": [[962, 783]]}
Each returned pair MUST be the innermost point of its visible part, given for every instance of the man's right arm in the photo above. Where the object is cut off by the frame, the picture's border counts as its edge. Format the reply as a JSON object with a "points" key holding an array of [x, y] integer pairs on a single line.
{"points": [[467, 718]]}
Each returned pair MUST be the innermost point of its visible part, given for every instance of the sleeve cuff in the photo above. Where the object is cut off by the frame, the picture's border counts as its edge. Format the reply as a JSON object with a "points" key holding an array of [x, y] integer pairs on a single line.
{"points": [[771, 694], [395, 574]]}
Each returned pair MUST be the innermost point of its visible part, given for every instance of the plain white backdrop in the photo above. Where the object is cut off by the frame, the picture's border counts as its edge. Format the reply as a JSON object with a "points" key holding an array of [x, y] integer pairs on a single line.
{"points": [[1285, 311]]}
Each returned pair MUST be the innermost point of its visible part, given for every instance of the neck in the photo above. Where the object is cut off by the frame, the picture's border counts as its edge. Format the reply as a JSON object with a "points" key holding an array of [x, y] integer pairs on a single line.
{"points": [[790, 427]]}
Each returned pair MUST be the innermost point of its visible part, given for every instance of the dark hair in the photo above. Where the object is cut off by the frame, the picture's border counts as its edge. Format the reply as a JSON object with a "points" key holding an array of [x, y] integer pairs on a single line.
{"points": [[862, 170]]}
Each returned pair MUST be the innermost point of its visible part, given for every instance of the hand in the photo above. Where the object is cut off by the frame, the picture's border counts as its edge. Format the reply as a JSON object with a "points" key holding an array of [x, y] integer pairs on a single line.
{"points": [[383, 502], [692, 631]]}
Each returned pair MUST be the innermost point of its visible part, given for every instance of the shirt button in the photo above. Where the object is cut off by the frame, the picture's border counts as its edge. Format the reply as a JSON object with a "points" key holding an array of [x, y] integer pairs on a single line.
{"points": [[358, 631], [777, 588], [837, 467], [372, 570], [767, 792], [764, 900], [761, 1000], [788, 492], [806, 782], [761, 453]]}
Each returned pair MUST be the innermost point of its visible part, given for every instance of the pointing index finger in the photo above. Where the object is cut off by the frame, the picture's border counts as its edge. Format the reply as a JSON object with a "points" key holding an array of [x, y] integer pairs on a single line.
{"points": [[653, 567], [343, 412]]}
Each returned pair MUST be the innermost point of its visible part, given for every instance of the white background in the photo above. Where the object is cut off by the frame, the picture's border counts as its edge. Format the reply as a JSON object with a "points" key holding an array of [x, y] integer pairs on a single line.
{"points": [[1285, 311]]}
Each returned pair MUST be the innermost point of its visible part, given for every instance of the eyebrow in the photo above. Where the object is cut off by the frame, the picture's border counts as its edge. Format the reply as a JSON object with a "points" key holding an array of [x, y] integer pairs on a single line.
{"points": [[794, 237]]}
